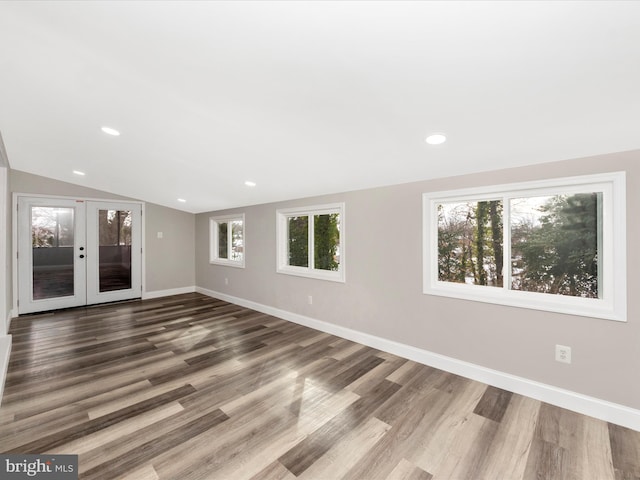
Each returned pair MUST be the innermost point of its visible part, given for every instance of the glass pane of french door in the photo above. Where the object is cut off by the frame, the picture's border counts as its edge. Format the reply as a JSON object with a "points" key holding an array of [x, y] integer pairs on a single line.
{"points": [[114, 244], [52, 238]]}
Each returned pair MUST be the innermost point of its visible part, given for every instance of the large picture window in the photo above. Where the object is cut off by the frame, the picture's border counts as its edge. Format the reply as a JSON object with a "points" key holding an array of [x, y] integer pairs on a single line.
{"points": [[311, 241], [227, 240], [553, 245]]}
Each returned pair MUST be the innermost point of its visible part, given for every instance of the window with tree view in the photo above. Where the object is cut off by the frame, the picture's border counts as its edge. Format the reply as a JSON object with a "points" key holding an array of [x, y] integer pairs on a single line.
{"points": [[227, 240], [310, 242], [553, 245], [470, 242], [555, 242], [298, 241]]}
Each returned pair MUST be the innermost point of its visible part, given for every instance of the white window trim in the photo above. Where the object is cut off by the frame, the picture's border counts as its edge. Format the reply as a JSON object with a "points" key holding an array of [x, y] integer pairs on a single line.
{"points": [[213, 240], [282, 242], [612, 305]]}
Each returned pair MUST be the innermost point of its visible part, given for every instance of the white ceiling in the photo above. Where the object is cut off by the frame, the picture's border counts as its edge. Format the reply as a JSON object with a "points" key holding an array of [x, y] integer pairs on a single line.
{"points": [[306, 98]]}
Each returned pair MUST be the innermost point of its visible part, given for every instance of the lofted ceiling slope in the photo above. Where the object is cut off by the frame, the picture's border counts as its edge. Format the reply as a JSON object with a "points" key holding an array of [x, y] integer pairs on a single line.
{"points": [[306, 98]]}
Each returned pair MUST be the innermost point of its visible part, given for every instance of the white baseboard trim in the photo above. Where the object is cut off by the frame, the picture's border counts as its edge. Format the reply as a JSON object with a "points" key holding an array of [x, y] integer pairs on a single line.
{"points": [[167, 293], [10, 316], [577, 402], [5, 353]]}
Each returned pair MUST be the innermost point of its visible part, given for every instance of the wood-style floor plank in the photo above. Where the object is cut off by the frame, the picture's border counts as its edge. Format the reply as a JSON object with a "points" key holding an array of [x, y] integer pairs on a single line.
{"points": [[192, 387]]}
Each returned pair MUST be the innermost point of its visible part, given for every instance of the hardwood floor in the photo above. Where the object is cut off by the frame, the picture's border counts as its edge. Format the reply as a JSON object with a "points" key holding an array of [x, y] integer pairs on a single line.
{"points": [[190, 387]]}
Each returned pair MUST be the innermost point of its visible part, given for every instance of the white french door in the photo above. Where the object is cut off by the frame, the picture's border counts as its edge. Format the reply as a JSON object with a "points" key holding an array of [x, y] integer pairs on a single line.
{"points": [[77, 252]]}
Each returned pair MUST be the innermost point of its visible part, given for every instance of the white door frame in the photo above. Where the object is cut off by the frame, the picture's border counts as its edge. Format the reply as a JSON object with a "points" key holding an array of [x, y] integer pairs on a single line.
{"points": [[14, 239], [79, 295]]}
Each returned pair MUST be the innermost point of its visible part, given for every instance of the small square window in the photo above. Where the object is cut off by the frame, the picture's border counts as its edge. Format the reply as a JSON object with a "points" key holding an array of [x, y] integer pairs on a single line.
{"points": [[227, 240], [311, 241]]}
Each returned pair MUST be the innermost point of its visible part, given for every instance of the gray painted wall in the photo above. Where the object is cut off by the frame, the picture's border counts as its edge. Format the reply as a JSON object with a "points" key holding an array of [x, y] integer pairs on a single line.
{"points": [[23, 182], [5, 252], [5, 245], [169, 263], [169, 260], [382, 295]]}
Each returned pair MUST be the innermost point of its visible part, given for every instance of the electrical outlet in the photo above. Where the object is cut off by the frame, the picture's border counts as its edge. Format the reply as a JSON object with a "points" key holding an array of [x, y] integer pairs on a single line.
{"points": [[563, 354], [226, 281], [310, 300]]}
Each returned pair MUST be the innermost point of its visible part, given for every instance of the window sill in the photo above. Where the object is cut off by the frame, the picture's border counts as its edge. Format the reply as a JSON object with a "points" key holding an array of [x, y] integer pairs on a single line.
{"points": [[584, 307], [331, 276], [227, 263]]}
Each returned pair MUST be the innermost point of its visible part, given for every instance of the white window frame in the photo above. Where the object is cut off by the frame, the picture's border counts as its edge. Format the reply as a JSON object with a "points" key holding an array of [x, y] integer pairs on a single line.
{"points": [[282, 234], [613, 303], [214, 241]]}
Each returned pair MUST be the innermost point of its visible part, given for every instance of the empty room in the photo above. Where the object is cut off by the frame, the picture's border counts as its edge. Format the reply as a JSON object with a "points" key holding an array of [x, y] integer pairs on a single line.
{"points": [[320, 240]]}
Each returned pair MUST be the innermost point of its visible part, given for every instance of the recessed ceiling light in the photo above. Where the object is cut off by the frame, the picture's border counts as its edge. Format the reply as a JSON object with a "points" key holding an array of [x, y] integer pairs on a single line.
{"points": [[249, 183], [436, 139], [110, 131], [78, 172], [182, 200]]}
